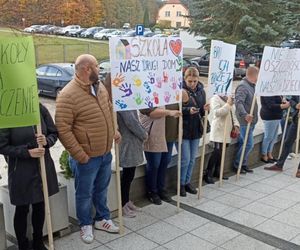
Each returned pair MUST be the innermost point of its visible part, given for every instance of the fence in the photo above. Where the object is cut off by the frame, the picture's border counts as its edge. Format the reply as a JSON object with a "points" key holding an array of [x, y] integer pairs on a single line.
{"points": [[57, 53]]}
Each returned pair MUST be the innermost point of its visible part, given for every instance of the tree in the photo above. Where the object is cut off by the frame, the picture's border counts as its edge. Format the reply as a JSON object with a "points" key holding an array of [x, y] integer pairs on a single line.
{"points": [[249, 24], [146, 20]]}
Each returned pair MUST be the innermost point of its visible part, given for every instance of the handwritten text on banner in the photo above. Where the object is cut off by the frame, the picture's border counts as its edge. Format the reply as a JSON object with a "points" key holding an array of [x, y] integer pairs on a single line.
{"points": [[279, 72], [145, 72]]}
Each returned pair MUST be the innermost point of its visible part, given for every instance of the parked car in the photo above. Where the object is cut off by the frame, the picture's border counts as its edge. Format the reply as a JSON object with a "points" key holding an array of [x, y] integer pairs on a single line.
{"points": [[104, 69], [32, 28], [44, 29], [239, 65], [69, 29], [189, 63], [76, 33], [51, 78], [90, 32], [130, 33], [126, 26], [290, 43], [102, 34], [116, 33]]}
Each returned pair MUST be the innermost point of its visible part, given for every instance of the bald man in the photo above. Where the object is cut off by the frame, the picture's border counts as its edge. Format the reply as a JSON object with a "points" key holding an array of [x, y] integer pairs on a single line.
{"points": [[85, 125], [244, 95]]}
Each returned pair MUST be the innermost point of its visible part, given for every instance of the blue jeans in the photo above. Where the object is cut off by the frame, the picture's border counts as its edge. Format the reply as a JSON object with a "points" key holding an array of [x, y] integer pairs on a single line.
{"points": [[270, 136], [91, 183], [249, 145], [167, 156], [155, 171], [189, 150]]}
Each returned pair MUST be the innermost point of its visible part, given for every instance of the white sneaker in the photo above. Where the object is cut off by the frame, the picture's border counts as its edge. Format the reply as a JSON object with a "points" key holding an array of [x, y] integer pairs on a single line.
{"points": [[289, 157], [86, 234], [293, 155], [133, 207], [127, 212], [106, 225]]}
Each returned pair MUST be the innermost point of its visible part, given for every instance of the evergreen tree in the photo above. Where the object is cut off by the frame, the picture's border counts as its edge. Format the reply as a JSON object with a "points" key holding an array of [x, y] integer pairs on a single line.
{"points": [[146, 18], [249, 24]]}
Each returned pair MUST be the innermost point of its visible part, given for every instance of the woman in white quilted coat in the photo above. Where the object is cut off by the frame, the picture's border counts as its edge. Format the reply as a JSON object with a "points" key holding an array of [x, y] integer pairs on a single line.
{"points": [[220, 108]]}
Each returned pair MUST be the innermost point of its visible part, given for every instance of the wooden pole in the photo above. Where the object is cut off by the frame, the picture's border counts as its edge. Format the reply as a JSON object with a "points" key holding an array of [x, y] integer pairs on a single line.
{"points": [[117, 165], [46, 194], [297, 140], [179, 156], [284, 131], [202, 155], [245, 140], [223, 152]]}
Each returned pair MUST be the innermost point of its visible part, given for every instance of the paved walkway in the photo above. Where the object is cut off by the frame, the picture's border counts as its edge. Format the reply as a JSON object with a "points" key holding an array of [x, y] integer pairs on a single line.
{"points": [[261, 211]]}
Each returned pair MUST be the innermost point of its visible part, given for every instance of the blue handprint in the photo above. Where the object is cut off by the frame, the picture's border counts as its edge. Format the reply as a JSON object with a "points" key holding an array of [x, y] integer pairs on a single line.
{"points": [[151, 77], [148, 102], [147, 87], [126, 88], [121, 104]]}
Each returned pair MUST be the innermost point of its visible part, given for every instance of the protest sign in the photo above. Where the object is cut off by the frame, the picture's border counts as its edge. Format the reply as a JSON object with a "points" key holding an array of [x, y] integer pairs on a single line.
{"points": [[221, 68], [19, 104], [146, 72], [279, 72]]}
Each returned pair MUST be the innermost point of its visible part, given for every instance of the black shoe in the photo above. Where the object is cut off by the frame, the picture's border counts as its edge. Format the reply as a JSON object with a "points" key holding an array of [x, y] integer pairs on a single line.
{"points": [[190, 189], [154, 198], [242, 170], [208, 179], [164, 196], [38, 245], [218, 176], [182, 191], [247, 169]]}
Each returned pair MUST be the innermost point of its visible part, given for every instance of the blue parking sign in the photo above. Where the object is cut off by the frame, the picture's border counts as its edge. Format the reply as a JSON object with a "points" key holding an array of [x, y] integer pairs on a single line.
{"points": [[139, 29]]}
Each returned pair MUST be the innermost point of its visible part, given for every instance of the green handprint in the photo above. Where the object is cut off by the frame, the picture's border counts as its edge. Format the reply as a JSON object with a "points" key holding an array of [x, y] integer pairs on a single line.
{"points": [[179, 61], [138, 99]]}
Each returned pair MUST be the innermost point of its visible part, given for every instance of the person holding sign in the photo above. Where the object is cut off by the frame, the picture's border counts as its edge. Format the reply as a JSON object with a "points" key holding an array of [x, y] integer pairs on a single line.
{"points": [[20, 146], [193, 110], [153, 120], [244, 95], [271, 113], [131, 154], [290, 138], [85, 125], [220, 107]]}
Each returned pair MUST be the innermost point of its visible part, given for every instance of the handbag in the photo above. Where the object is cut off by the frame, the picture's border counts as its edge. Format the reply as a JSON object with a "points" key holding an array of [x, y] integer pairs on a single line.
{"points": [[233, 133]]}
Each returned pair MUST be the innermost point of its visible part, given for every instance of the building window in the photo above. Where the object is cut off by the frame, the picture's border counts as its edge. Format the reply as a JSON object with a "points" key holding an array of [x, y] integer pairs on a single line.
{"points": [[178, 24], [167, 14], [178, 13]]}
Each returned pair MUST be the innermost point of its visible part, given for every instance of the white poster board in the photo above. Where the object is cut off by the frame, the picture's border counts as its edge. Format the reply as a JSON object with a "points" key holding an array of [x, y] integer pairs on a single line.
{"points": [[279, 72], [146, 72], [221, 68]]}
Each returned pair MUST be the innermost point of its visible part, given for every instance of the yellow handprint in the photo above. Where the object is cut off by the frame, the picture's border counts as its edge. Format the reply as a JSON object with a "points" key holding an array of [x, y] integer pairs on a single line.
{"points": [[137, 81], [119, 78]]}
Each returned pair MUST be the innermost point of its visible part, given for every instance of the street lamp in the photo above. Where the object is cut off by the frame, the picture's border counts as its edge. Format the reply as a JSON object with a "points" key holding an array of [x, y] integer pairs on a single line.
{"points": [[62, 22]]}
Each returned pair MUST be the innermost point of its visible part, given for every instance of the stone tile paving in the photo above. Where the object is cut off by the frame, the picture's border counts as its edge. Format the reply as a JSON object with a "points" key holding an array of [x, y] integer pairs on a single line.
{"points": [[265, 201]]}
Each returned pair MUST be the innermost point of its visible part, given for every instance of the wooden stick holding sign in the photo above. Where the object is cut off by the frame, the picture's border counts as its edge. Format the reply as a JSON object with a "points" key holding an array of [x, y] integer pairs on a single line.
{"points": [[245, 140], [179, 155], [202, 155], [46, 194], [284, 131], [117, 165], [223, 152]]}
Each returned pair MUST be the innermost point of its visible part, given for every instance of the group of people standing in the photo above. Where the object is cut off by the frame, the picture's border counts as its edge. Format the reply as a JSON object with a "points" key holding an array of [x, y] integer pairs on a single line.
{"points": [[84, 125]]}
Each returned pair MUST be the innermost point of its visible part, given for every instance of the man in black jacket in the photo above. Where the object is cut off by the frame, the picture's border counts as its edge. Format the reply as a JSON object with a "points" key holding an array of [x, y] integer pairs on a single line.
{"points": [[290, 138]]}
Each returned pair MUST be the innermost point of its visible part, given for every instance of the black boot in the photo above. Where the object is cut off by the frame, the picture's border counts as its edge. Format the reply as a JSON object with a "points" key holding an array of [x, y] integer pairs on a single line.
{"points": [[208, 179], [182, 191], [38, 244], [24, 245], [190, 189]]}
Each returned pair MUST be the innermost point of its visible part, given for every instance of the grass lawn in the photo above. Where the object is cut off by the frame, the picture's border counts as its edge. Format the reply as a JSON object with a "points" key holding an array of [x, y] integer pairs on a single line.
{"points": [[61, 49]]}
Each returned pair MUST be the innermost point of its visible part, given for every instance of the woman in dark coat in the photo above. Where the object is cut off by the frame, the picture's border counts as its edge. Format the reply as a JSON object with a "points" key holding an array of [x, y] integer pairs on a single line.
{"points": [[20, 146], [193, 110]]}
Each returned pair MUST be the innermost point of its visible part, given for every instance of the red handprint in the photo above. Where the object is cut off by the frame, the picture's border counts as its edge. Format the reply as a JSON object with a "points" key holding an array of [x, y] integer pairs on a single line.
{"points": [[156, 99]]}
